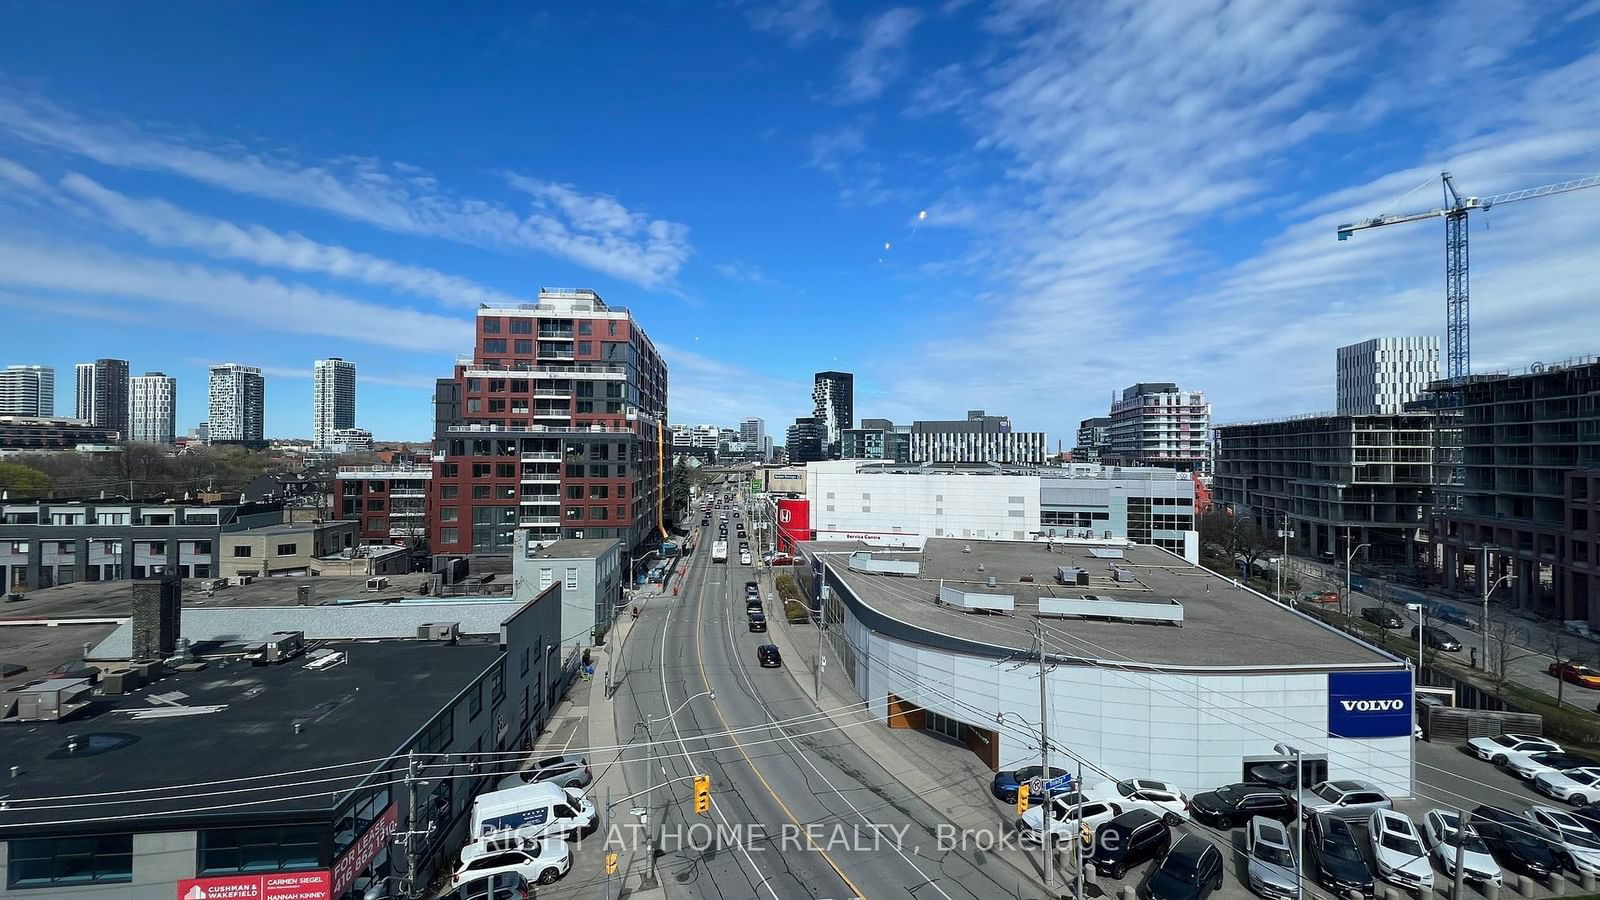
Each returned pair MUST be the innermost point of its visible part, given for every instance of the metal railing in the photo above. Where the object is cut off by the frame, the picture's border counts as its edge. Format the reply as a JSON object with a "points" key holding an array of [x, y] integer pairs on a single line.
{"points": [[417, 470], [542, 455]]}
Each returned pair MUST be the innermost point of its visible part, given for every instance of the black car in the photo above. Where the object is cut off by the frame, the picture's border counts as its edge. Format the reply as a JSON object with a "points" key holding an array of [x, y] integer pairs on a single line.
{"points": [[1281, 775], [1191, 870], [758, 620], [1382, 617], [1128, 840], [768, 656], [1234, 805], [751, 589], [1336, 857], [1589, 816], [1514, 842], [1437, 638]]}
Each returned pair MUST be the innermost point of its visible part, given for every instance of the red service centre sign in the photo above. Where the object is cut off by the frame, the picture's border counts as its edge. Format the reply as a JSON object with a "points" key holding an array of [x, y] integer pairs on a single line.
{"points": [[277, 886], [794, 523]]}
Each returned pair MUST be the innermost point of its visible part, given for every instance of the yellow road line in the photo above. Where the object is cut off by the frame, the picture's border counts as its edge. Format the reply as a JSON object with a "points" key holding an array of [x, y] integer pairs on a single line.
{"points": [[706, 684]]}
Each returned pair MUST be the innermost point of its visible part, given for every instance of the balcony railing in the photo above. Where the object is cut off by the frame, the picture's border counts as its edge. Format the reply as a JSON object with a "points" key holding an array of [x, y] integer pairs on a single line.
{"points": [[553, 369], [381, 470], [560, 334], [542, 455], [539, 429], [553, 354], [539, 520]]}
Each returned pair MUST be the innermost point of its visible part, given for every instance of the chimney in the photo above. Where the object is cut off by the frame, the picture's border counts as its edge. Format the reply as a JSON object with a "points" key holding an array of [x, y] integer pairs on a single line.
{"points": [[157, 609]]}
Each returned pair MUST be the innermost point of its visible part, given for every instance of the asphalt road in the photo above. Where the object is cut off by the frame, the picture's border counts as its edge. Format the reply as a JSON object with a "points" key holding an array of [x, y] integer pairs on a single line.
{"points": [[801, 813]]}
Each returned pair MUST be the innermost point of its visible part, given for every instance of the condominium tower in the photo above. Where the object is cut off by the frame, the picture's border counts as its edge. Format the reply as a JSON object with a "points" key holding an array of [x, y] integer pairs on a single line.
{"points": [[333, 399], [1380, 376], [28, 391], [102, 394], [238, 404], [152, 408]]}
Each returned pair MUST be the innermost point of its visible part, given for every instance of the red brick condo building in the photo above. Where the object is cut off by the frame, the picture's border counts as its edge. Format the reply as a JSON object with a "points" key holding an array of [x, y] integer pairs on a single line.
{"points": [[553, 424]]}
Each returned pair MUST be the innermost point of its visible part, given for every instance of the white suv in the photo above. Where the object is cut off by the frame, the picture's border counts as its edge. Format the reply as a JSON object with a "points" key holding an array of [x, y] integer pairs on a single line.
{"points": [[1501, 748], [538, 862], [1398, 850]]}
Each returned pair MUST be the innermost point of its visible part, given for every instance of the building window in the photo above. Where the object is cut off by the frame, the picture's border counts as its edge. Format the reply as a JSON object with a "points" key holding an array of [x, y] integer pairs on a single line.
{"points": [[522, 347], [277, 849], [158, 547], [481, 470], [449, 513], [490, 326], [522, 326], [497, 682], [585, 348], [202, 548], [97, 859], [584, 326], [572, 578], [475, 702], [524, 668], [377, 523], [611, 328], [376, 503], [480, 492], [449, 535], [505, 470], [288, 549], [599, 492], [599, 513], [449, 491], [241, 550]]}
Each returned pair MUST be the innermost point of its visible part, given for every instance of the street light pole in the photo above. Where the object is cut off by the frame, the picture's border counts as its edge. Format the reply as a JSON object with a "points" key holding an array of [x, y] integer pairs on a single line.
{"points": [[1044, 760], [649, 733], [1300, 827], [1285, 533]]}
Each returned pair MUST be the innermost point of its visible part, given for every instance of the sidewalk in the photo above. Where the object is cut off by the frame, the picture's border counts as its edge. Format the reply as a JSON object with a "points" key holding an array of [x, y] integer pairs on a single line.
{"points": [[948, 781]]}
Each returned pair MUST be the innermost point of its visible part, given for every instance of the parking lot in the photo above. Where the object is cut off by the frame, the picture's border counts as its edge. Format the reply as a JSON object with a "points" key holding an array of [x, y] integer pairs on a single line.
{"points": [[1449, 777]]}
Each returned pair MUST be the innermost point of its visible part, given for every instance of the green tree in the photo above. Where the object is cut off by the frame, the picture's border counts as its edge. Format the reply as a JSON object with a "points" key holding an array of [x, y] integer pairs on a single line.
{"points": [[680, 480], [20, 481]]}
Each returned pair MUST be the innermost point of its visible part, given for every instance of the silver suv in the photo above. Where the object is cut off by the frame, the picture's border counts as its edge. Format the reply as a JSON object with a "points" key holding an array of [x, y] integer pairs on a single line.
{"points": [[570, 771], [1273, 873], [1355, 801]]}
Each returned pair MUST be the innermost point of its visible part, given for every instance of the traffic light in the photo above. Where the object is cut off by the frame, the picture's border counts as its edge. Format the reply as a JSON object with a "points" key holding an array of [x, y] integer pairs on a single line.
{"points": [[611, 863], [702, 794], [1022, 799]]}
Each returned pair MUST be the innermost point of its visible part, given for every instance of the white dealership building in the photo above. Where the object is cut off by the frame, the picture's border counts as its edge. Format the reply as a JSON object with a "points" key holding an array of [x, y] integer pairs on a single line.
{"points": [[1155, 667]]}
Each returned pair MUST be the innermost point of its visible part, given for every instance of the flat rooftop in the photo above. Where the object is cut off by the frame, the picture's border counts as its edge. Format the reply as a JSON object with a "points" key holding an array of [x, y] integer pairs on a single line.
{"points": [[113, 599], [1223, 624], [575, 548], [232, 720]]}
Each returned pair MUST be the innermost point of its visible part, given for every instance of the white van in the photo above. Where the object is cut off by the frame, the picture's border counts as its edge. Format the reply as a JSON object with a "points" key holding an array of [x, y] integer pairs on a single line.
{"points": [[540, 809]]}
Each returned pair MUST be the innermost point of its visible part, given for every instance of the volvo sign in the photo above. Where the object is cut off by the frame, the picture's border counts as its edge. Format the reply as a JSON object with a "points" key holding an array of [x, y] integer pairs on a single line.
{"points": [[1369, 704]]}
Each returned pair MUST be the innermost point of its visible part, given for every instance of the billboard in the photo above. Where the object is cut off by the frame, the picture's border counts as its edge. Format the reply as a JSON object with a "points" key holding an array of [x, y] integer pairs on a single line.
{"points": [[278, 886], [1369, 704], [794, 522], [364, 850]]}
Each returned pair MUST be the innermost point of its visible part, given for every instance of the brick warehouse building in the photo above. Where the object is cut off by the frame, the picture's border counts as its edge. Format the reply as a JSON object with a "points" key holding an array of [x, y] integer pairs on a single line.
{"points": [[554, 424]]}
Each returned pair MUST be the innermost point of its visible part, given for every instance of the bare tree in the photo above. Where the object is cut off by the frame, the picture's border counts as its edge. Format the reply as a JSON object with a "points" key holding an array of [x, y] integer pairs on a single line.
{"points": [[1558, 646], [1500, 654]]}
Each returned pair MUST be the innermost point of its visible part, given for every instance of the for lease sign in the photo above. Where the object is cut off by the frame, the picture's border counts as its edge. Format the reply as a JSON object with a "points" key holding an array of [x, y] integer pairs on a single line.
{"points": [[277, 886]]}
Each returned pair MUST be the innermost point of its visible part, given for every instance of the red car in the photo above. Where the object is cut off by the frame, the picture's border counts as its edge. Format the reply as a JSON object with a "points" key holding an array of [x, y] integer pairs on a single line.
{"points": [[1575, 673]]}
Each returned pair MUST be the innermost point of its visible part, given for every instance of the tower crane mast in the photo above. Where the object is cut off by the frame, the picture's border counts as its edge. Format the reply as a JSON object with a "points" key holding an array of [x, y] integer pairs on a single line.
{"points": [[1457, 287]]}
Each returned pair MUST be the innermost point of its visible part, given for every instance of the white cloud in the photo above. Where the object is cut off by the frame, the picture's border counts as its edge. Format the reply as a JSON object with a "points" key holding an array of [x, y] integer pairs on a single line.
{"points": [[706, 389], [391, 196], [881, 56], [261, 302], [798, 21], [1171, 183], [166, 225]]}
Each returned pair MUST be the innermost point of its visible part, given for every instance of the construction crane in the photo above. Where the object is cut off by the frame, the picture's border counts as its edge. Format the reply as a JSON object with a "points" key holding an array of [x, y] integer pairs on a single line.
{"points": [[1457, 313]]}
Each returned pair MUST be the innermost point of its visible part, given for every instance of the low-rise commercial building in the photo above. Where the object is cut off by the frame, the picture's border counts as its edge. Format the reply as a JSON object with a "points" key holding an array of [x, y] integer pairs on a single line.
{"points": [[591, 577], [26, 434], [1326, 474], [314, 749], [45, 543], [1147, 674], [905, 506], [285, 548]]}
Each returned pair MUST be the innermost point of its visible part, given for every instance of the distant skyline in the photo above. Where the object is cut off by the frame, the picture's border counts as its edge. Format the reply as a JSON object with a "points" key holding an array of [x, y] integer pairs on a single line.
{"points": [[997, 204]]}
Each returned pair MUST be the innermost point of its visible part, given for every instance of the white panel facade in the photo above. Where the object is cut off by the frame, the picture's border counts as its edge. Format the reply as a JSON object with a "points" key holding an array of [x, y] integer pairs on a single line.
{"points": [[152, 408], [906, 510], [1380, 376], [1193, 730], [28, 391], [333, 399]]}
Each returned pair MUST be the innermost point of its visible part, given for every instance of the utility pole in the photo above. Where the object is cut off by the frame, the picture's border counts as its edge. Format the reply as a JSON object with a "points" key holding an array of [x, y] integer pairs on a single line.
{"points": [[1046, 833], [412, 771], [1483, 623], [1461, 852], [822, 626], [1077, 833], [1285, 533]]}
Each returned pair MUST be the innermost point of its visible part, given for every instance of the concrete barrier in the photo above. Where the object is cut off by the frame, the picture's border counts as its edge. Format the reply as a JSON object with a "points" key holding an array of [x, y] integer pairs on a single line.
{"points": [[1129, 892], [1513, 882], [1491, 890], [1425, 893], [1586, 882], [1558, 884]]}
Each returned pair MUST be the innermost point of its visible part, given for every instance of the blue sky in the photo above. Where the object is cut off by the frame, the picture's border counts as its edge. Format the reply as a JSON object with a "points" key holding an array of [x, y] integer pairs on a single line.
{"points": [[1113, 192]]}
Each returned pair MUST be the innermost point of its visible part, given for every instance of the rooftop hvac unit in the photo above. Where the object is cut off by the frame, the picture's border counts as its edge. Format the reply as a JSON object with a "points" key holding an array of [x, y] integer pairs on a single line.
{"points": [[439, 631], [1072, 575], [51, 700], [380, 583], [279, 646], [118, 683]]}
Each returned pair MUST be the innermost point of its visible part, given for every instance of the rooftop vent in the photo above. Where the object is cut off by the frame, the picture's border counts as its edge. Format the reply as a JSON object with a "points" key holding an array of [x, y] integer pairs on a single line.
{"points": [[51, 700], [975, 601], [447, 632], [1089, 606]]}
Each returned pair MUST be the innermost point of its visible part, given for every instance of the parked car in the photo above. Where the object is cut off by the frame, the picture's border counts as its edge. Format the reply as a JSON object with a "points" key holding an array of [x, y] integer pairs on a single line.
{"points": [[504, 886], [1437, 638], [1335, 858], [1502, 747], [1382, 616], [1397, 849], [1065, 810], [1442, 828], [1004, 785], [758, 620], [768, 656], [1577, 843], [1128, 840], [1282, 775], [751, 589], [1353, 800], [781, 559], [1575, 673], [1270, 859], [1575, 786], [571, 771], [1160, 797], [1533, 765], [1233, 805], [1589, 816], [540, 862], [1514, 842], [1191, 870]]}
